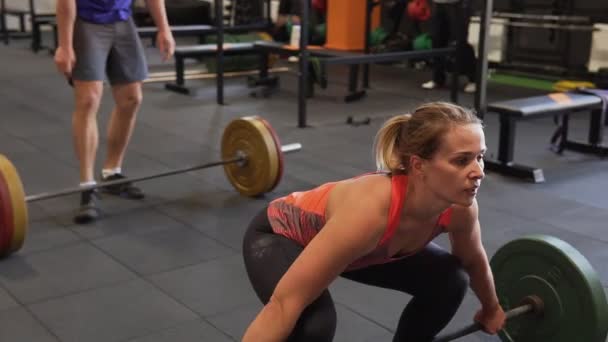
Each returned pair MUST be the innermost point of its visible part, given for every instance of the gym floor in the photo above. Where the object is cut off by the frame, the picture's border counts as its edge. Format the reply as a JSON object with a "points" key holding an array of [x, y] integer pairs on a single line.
{"points": [[169, 268]]}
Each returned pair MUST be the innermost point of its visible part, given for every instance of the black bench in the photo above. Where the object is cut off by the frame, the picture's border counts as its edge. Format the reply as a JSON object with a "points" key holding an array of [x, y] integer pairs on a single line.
{"points": [[6, 33], [199, 31], [38, 21], [206, 50], [558, 104], [278, 48], [178, 31]]}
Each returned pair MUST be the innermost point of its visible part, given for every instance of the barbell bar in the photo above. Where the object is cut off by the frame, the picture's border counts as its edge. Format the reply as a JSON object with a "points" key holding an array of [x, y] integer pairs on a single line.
{"points": [[68, 191], [550, 292], [532, 305], [251, 154]]}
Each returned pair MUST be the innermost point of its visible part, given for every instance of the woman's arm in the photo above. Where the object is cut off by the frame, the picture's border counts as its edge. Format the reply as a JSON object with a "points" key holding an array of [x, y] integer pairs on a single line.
{"points": [[465, 237], [353, 230]]}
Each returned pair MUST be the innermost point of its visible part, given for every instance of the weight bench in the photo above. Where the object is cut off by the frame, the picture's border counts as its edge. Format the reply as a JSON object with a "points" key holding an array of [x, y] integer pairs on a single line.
{"points": [[38, 21], [200, 31], [557, 104], [353, 94], [206, 50]]}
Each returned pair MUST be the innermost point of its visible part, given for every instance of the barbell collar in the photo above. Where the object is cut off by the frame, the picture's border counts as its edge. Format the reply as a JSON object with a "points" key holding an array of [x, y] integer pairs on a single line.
{"points": [[241, 158]]}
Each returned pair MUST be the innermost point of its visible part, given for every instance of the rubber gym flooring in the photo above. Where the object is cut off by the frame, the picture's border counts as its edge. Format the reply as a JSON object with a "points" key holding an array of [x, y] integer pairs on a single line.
{"points": [[169, 268]]}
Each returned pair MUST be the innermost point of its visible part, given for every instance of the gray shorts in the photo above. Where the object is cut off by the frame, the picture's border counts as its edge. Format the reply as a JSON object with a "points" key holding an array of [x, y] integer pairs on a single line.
{"points": [[112, 50]]}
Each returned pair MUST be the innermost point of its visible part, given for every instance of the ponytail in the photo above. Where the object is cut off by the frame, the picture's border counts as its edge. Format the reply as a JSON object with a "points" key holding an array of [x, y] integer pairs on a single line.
{"points": [[387, 142]]}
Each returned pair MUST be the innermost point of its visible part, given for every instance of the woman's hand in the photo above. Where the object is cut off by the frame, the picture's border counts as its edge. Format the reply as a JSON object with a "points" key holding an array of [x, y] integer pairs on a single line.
{"points": [[492, 320]]}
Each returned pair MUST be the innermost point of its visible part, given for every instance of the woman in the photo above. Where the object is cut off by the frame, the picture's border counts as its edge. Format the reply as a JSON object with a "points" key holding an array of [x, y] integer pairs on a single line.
{"points": [[377, 229]]}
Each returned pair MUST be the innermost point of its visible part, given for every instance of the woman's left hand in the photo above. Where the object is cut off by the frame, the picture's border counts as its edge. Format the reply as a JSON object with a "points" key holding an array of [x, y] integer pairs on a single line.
{"points": [[492, 320]]}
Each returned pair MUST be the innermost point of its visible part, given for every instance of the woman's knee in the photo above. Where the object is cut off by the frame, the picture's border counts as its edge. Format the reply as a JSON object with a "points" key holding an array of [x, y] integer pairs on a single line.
{"points": [[317, 322], [455, 276]]}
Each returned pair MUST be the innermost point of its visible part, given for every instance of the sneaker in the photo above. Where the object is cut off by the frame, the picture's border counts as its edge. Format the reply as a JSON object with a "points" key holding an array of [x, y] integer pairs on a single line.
{"points": [[470, 87], [430, 85], [88, 210], [125, 190]]}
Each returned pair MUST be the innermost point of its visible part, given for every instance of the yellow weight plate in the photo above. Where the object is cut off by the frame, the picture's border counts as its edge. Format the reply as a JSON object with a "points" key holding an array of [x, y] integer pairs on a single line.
{"points": [[249, 136], [277, 144], [20, 215], [6, 216]]}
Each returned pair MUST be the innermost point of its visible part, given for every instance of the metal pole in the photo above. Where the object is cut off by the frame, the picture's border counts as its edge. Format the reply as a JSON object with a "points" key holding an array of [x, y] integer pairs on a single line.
{"points": [[43, 196], [219, 22], [5, 34], [482, 60], [518, 311], [303, 59], [369, 10]]}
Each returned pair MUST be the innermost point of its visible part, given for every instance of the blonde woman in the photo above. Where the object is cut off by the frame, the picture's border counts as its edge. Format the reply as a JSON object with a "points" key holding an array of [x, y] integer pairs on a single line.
{"points": [[377, 229]]}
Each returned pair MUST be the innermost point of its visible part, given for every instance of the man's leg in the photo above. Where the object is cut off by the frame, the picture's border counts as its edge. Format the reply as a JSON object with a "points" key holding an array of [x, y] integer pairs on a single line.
{"points": [[127, 68], [439, 37], [91, 45], [122, 121], [459, 19], [84, 125]]}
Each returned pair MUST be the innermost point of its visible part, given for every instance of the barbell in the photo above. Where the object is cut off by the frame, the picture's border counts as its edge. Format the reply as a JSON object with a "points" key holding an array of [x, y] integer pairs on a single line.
{"points": [[550, 291], [251, 155]]}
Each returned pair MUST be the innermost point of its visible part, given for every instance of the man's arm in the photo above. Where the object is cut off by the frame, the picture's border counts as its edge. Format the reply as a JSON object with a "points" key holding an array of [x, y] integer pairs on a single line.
{"points": [[164, 37], [65, 16], [158, 13], [64, 55]]}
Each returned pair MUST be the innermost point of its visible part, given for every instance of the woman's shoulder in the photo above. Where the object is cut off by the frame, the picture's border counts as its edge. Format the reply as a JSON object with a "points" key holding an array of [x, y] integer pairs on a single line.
{"points": [[373, 189]]}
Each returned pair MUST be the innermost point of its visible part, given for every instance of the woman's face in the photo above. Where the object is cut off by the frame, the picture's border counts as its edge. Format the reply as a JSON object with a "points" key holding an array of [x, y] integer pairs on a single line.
{"points": [[454, 174]]}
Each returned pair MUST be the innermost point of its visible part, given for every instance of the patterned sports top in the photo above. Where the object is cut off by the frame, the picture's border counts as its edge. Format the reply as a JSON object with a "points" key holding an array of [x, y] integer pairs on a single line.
{"points": [[301, 215]]}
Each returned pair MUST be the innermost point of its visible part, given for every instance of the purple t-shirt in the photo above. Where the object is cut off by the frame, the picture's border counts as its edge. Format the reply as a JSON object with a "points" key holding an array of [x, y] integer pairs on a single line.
{"points": [[103, 11]]}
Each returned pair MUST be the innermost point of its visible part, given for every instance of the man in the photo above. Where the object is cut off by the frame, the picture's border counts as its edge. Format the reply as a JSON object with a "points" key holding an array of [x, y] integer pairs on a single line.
{"points": [[97, 38], [289, 13], [450, 23]]}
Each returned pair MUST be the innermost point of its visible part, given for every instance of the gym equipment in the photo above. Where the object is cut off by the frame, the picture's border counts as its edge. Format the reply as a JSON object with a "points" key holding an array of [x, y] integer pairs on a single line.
{"points": [[555, 104], [251, 155], [247, 60], [419, 10], [354, 122], [423, 42], [551, 291], [206, 50]]}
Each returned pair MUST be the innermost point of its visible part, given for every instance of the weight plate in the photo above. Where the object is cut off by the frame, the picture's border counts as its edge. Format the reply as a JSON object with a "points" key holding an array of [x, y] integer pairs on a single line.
{"points": [[575, 307], [6, 216], [248, 136], [277, 144], [17, 195]]}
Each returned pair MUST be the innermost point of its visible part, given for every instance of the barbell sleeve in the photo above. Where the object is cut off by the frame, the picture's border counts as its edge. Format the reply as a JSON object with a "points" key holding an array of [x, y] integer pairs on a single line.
{"points": [[241, 158]]}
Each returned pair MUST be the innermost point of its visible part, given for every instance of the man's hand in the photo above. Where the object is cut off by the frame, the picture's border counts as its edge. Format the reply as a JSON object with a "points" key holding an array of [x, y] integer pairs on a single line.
{"points": [[492, 320], [166, 44], [65, 59]]}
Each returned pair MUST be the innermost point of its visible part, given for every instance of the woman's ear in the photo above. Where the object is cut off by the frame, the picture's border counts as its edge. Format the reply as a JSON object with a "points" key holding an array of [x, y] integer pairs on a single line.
{"points": [[416, 165]]}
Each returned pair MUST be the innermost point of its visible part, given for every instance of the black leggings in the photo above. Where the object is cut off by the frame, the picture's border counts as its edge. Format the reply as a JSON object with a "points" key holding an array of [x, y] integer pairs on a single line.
{"points": [[434, 278]]}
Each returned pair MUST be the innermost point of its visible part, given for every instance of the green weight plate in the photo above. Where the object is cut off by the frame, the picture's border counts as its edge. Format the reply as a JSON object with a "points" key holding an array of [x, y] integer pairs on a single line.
{"points": [[575, 307]]}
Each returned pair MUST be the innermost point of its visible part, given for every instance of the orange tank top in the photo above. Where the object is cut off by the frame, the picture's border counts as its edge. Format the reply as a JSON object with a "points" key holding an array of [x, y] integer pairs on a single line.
{"points": [[299, 216]]}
